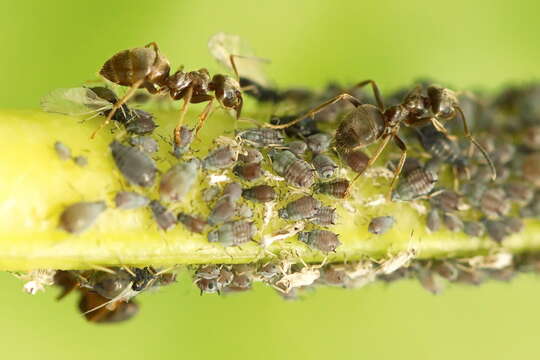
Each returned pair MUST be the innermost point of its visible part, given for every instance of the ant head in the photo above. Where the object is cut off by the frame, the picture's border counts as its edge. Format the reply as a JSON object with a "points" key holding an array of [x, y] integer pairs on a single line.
{"points": [[442, 101]]}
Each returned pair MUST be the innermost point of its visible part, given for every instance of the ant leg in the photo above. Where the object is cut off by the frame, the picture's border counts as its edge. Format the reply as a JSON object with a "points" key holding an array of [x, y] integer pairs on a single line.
{"points": [[318, 109], [374, 158], [476, 143], [154, 45], [118, 105], [233, 64], [204, 115], [401, 163], [183, 110], [376, 91]]}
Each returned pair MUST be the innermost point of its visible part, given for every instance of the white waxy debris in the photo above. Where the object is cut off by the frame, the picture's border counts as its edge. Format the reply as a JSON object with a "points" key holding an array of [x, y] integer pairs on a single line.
{"points": [[286, 233], [398, 261], [269, 212], [347, 205], [270, 176], [376, 200], [216, 179], [495, 261], [379, 171], [36, 280]]}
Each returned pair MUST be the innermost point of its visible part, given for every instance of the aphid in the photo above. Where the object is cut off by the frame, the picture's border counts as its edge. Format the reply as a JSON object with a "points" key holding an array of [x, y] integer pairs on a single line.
{"points": [[357, 160], [438, 145], [244, 269], [164, 218], [78, 217], [37, 280], [269, 271], [140, 123], [250, 156], [192, 223], [136, 166], [474, 228], [324, 165], [430, 280], [323, 240], [63, 152], [303, 208], [448, 201], [128, 200], [208, 272], [248, 172], [177, 182], [531, 168], [452, 222], [208, 286], [445, 269], [337, 188], [301, 130], [368, 124], [210, 193], [381, 224], [493, 203], [233, 191], [184, 140], [495, 261], [400, 260], [262, 137], [531, 137], [221, 158], [334, 276], [415, 184], [233, 233], [225, 277], [146, 68], [105, 311], [325, 216], [497, 230], [244, 211], [222, 211], [318, 143], [144, 143], [503, 153], [296, 171], [433, 220], [519, 192], [240, 282], [513, 224], [260, 193], [80, 160], [297, 147]]}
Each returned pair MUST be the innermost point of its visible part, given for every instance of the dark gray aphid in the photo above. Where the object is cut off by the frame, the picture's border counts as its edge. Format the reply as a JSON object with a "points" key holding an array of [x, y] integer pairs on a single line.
{"points": [[80, 160], [221, 158], [438, 144], [262, 137], [513, 224], [416, 183], [207, 286], [186, 138], [297, 147], [128, 200], [337, 188], [136, 166], [448, 201], [519, 192], [324, 165], [260, 193], [250, 156], [178, 180], [208, 271], [78, 217], [433, 220], [144, 143], [233, 191], [222, 211], [141, 123], [323, 240], [474, 228], [497, 230], [62, 150], [381, 224], [233, 233], [303, 208], [164, 218], [225, 277], [248, 172], [357, 160], [493, 203], [318, 143], [192, 223], [296, 171], [325, 216], [452, 222]]}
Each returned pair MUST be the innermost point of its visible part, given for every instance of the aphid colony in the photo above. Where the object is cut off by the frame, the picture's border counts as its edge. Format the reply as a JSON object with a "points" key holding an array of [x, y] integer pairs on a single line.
{"points": [[297, 170]]}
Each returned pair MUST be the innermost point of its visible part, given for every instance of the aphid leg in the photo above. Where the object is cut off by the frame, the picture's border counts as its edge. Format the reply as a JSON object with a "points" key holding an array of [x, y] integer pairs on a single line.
{"points": [[118, 105], [183, 110], [318, 109], [376, 91], [469, 136], [401, 163], [204, 116]]}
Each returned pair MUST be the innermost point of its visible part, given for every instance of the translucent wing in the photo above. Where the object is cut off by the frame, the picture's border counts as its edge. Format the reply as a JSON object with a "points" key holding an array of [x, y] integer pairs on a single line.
{"points": [[222, 46], [74, 101]]}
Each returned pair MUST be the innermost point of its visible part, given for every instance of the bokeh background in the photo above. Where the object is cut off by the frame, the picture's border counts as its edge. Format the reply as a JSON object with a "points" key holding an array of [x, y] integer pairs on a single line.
{"points": [[471, 45]]}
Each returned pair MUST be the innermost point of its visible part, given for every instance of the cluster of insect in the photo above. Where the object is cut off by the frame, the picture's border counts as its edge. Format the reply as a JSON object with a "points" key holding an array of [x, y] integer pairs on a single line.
{"points": [[316, 154]]}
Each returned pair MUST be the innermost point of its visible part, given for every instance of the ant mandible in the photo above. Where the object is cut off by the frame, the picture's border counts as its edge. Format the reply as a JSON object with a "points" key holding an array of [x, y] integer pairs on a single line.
{"points": [[367, 124], [145, 67]]}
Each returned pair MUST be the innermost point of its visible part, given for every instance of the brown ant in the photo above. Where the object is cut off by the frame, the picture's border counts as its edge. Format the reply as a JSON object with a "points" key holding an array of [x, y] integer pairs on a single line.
{"points": [[367, 124], [145, 67]]}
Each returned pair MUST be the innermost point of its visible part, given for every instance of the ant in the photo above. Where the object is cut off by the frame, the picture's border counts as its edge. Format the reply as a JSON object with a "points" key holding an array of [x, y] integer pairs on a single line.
{"points": [[145, 67], [368, 124]]}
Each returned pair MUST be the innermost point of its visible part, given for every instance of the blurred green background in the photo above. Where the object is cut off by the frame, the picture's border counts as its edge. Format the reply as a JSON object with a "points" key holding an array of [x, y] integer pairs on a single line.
{"points": [[472, 45]]}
